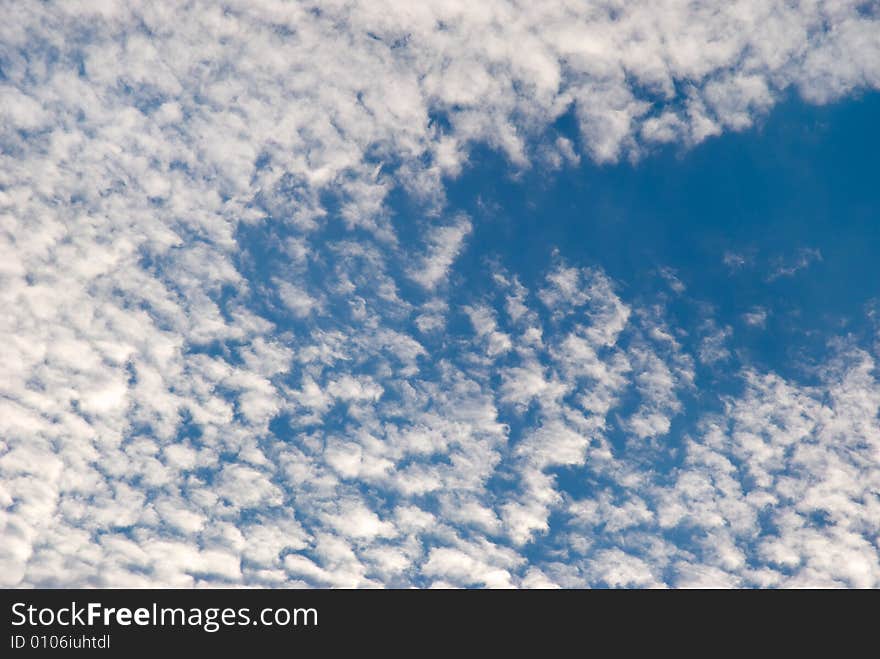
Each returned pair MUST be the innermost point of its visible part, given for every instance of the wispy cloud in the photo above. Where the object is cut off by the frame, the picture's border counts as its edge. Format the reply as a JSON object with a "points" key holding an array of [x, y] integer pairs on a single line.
{"points": [[788, 267]]}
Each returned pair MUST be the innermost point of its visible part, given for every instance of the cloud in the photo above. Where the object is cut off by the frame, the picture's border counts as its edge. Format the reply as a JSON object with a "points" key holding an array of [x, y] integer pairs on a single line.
{"points": [[713, 348], [736, 261], [757, 317], [211, 370], [789, 267], [444, 245]]}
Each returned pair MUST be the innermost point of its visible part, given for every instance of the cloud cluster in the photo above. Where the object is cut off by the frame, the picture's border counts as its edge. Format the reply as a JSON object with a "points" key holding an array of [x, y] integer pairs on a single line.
{"points": [[224, 359]]}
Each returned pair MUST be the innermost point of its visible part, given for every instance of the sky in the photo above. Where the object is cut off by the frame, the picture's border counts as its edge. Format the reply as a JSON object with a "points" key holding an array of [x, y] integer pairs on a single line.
{"points": [[440, 294]]}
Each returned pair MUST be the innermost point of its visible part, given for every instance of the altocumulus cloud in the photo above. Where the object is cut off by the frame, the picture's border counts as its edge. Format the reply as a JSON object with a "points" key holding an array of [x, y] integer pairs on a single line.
{"points": [[223, 364]]}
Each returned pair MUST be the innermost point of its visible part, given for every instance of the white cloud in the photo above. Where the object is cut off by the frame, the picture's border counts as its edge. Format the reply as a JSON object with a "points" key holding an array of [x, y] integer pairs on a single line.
{"points": [[444, 245], [788, 267], [757, 317], [300, 303], [163, 373], [465, 570], [713, 348]]}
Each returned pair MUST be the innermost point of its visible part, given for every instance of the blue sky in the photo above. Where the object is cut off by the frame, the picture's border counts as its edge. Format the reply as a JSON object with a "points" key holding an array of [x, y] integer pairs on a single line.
{"points": [[729, 219], [440, 295]]}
